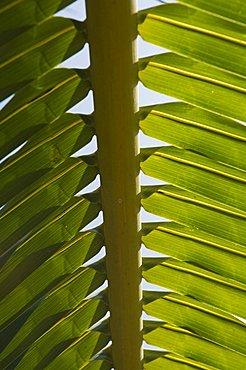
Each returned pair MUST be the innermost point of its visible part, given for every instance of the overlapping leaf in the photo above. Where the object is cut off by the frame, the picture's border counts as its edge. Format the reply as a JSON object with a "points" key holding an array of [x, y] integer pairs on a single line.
{"points": [[38, 104], [44, 151], [30, 12], [58, 308], [46, 45]]}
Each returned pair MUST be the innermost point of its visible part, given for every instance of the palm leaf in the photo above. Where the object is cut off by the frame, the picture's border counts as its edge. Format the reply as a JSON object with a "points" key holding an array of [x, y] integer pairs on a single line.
{"points": [[52, 315]]}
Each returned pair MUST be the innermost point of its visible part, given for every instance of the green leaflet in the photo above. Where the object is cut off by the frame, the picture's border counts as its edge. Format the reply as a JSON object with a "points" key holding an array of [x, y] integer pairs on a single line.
{"points": [[191, 81], [190, 345], [69, 257], [196, 212], [196, 34], [98, 365], [193, 245], [188, 279], [202, 319], [235, 10], [195, 129], [79, 352], [30, 207], [196, 173], [170, 361]]}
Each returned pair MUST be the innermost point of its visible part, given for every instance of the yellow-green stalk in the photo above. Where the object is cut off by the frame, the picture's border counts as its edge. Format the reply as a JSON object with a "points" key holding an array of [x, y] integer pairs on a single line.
{"points": [[112, 31]]}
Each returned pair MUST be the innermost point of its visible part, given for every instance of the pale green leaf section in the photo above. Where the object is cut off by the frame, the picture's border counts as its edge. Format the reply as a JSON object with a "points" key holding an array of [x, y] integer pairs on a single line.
{"points": [[196, 173], [234, 10], [188, 279], [171, 361], [191, 81], [196, 34], [206, 167], [190, 345], [46, 319], [193, 245], [201, 318], [192, 128]]}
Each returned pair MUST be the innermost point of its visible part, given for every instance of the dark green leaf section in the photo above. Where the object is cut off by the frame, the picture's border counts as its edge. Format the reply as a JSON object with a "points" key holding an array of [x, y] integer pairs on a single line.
{"points": [[55, 339], [45, 239], [98, 365], [196, 211], [196, 34], [201, 318], [198, 130], [235, 11], [195, 246], [30, 12], [51, 191], [38, 104], [60, 309], [193, 347], [191, 81], [46, 312], [45, 150], [196, 173], [45, 46], [188, 279], [80, 351], [69, 257]]}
